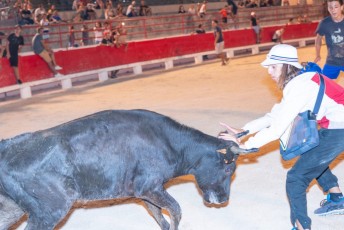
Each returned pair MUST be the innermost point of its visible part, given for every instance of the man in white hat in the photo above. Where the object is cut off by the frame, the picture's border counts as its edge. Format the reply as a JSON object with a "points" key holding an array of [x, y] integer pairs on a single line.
{"points": [[300, 89]]}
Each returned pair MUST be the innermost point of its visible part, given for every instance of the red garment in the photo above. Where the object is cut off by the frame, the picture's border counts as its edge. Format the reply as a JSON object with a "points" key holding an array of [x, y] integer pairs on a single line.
{"points": [[223, 13]]}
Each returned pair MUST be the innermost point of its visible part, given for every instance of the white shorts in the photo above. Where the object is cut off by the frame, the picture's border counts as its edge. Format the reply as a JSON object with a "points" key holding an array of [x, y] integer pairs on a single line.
{"points": [[256, 29], [219, 47]]}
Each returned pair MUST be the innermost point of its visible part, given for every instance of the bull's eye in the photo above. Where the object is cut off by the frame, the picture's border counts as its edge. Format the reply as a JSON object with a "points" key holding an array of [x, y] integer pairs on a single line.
{"points": [[228, 161]]}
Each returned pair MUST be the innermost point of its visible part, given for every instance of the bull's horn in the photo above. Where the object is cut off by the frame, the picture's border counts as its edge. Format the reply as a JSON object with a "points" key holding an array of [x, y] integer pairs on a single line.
{"points": [[237, 150]]}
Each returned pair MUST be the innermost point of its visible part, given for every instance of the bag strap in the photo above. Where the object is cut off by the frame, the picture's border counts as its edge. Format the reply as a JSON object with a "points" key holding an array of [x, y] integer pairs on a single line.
{"points": [[320, 95]]}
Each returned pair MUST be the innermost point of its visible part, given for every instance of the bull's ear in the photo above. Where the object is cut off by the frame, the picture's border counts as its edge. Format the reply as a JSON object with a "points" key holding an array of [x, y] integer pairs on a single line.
{"points": [[236, 150]]}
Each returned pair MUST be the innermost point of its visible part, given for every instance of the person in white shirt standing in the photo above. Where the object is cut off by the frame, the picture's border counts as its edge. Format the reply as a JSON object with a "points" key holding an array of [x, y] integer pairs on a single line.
{"points": [[332, 28], [300, 88]]}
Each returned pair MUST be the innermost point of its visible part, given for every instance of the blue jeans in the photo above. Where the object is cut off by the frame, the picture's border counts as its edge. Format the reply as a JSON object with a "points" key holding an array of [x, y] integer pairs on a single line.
{"points": [[313, 164]]}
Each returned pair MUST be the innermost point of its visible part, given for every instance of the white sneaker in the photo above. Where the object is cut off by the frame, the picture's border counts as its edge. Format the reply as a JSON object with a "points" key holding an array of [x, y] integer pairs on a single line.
{"points": [[58, 67], [59, 75]]}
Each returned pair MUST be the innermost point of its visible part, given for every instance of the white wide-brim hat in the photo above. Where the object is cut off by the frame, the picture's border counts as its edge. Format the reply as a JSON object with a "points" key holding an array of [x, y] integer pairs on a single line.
{"points": [[282, 54]]}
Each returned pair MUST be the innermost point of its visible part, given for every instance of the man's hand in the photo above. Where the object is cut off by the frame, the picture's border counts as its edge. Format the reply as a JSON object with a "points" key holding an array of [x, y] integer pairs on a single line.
{"points": [[317, 59], [231, 129]]}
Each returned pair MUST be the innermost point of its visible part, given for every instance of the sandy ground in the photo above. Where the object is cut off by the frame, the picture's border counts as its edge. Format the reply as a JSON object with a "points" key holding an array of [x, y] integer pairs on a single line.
{"points": [[199, 96]]}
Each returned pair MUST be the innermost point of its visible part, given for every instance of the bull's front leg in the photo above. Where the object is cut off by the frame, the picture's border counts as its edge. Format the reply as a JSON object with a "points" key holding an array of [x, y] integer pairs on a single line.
{"points": [[157, 214], [162, 199], [10, 212]]}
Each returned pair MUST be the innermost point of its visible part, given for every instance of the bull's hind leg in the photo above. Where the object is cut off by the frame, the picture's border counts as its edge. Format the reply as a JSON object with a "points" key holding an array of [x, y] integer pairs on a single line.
{"points": [[10, 212], [157, 214], [162, 199]]}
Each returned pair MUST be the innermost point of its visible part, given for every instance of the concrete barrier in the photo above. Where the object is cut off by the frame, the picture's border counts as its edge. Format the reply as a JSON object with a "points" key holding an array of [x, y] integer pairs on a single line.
{"points": [[102, 59]]}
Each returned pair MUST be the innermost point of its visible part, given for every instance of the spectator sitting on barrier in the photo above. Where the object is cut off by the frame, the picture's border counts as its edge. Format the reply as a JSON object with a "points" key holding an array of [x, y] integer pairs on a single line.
{"points": [[109, 12], [15, 42], [84, 35], [255, 26], [26, 16], [145, 10], [277, 36], [41, 48], [39, 12], [131, 10], [181, 10]]}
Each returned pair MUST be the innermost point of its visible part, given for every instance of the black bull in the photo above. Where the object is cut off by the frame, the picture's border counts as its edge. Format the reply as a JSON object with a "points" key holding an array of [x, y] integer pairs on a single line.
{"points": [[107, 155]]}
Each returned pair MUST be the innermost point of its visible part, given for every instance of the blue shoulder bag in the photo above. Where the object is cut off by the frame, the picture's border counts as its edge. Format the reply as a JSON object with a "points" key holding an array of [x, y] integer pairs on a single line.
{"points": [[303, 135]]}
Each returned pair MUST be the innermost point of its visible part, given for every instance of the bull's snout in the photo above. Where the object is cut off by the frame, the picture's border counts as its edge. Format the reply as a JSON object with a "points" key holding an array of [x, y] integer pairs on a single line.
{"points": [[213, 198]]}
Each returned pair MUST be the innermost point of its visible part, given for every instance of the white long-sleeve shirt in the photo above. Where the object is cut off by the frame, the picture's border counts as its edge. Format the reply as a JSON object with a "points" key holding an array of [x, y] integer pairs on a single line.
{"points": [[299, 95]]}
